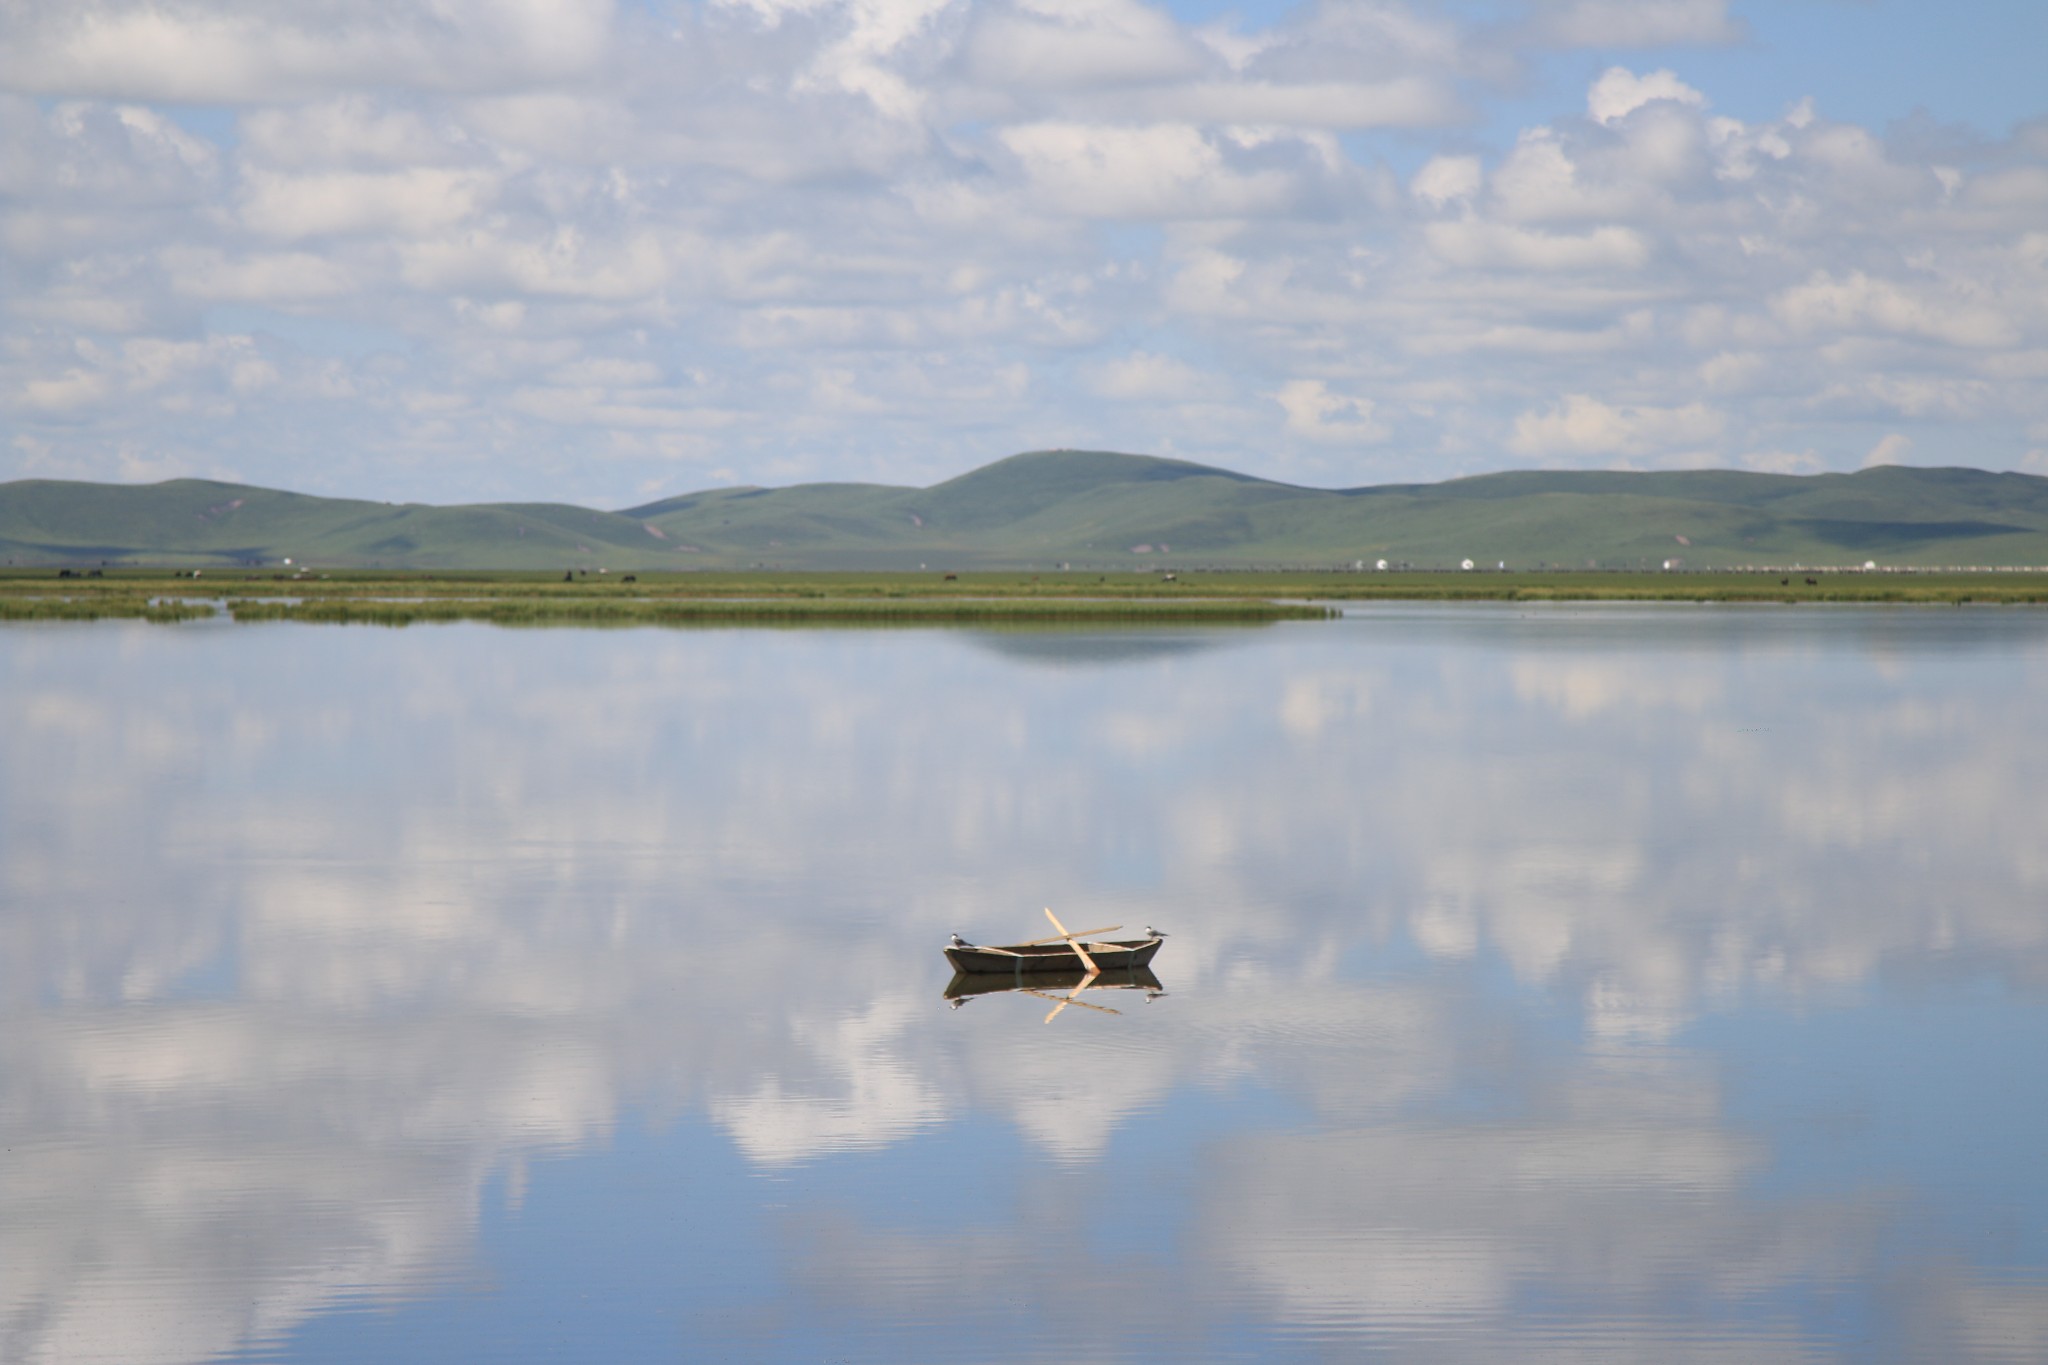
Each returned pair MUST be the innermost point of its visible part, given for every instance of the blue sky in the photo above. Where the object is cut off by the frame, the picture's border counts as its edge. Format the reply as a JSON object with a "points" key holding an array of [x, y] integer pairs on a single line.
{"points": [[1975, 62], [607, 250], [1872, 61]]}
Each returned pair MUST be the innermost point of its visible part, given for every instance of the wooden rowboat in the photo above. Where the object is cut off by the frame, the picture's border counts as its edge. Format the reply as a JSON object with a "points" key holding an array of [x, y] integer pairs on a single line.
{"points": [[1063, 952], [1019, 959]]}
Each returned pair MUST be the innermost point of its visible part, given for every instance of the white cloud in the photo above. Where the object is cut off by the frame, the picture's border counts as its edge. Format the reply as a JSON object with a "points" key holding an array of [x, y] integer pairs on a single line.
{"points": [[1447, 179], [1620, 92], [1068, 44], [250, 277], [1891, 450], [1883, 396], [245, 50], [351, 130], [1548, 179], [1858, 302], [1399, 103], [71, 390], [1481, 245], [610, 371], [408, 203], [1581, 425], [1320, 415], [1159, 171], [2024, 187], [858, 63], [561, 263], [1142, 375], [1734, 371], [572, 127], [1235, 48]]}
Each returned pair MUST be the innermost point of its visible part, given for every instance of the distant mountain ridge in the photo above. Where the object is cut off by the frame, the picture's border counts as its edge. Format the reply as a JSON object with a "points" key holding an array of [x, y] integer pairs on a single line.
{"points": [[1098, 509]]}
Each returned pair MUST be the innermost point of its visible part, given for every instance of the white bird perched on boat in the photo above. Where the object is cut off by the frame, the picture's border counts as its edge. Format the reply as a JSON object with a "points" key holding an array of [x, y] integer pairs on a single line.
{"points": [[959, 942], [1150, 932]]}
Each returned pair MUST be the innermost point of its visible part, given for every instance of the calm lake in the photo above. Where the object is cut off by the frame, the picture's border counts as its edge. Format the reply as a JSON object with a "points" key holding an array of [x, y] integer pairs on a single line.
{"points": [[1603, 983]]}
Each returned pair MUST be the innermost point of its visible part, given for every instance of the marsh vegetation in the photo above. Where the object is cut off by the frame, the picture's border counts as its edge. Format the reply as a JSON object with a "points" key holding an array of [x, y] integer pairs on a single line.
{"points": [[391, 597]]}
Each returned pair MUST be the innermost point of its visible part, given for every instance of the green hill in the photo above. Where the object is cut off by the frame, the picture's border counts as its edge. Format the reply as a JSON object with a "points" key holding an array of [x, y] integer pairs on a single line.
{"points": [[1087, 508], [201, 522]]}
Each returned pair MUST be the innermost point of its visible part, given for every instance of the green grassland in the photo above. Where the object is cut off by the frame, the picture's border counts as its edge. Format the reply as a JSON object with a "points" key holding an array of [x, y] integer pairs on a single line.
{"points": [[1093, 510]]}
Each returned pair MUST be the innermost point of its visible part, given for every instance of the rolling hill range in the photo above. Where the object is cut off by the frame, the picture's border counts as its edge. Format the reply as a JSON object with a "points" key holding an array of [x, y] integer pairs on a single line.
{"points": [[1092, 509]]}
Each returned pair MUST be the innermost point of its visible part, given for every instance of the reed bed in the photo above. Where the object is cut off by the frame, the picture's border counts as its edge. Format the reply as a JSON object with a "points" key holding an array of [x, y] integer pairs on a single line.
{"points": [[799, 611], [102, 607]]}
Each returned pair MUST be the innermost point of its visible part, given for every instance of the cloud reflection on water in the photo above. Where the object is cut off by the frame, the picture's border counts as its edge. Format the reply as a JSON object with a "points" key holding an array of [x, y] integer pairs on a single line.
{"points": [[307, 932]]}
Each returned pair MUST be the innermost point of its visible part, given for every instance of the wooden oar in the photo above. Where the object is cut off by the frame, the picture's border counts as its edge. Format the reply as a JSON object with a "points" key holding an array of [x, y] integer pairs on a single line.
{"points": [[1086, 960], [1033, 943]]}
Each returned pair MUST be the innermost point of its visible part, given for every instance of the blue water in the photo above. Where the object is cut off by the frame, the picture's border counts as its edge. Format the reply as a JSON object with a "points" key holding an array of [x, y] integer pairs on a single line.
{"points": [[1579, 983]]}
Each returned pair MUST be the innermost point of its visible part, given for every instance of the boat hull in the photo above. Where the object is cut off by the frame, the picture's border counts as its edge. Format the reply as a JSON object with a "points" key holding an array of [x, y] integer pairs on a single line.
{"points": [[1032, 959]]}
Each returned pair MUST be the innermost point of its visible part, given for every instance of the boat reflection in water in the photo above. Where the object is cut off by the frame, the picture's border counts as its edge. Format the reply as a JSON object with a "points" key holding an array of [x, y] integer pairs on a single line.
{"points": [[1062, 988], [1066, 959]]}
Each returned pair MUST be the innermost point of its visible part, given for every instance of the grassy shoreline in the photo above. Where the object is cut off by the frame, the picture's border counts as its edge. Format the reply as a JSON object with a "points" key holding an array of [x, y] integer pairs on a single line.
{"points": [[518, 611], [533, 599]]}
